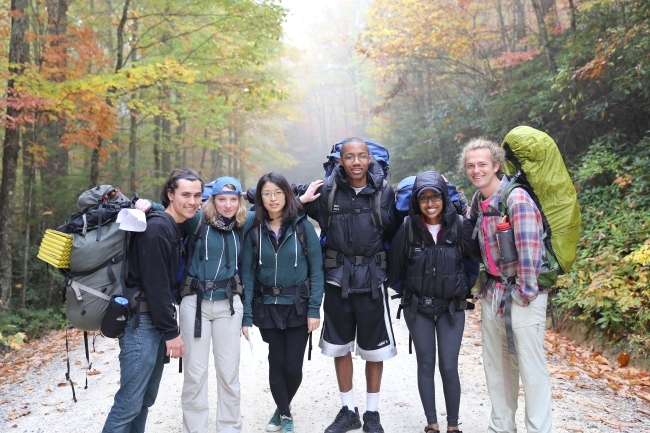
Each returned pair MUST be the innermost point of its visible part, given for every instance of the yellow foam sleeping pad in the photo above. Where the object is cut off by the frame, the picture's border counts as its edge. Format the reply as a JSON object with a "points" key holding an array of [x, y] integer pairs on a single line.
{"points": [[55, 249]]}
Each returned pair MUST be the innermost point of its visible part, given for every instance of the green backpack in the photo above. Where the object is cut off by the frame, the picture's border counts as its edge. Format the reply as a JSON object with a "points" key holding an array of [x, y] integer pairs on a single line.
{"points": [[534, 160]]}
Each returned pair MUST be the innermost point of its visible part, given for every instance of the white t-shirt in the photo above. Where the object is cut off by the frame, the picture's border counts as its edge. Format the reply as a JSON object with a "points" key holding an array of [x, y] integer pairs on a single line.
{"points": [[358, 190], [434, 230]]}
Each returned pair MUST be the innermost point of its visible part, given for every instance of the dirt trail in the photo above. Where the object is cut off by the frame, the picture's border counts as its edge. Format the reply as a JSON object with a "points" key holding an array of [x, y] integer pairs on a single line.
{"points": [[581, 403]]}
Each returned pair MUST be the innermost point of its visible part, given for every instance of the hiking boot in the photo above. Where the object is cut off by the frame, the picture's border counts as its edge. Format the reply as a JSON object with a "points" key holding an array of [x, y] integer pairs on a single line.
{"points": [[275, 424], [371, 423], [345, 420], [428, 429], [287, 424]]}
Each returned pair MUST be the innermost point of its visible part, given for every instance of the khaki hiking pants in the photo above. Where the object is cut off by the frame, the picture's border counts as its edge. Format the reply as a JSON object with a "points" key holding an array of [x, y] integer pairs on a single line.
{"points": [[502, 370], [222, 331]]}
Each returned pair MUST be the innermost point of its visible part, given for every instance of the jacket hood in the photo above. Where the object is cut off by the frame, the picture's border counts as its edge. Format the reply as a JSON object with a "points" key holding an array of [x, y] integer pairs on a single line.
{"points": [[431, 180], [375, 174]]}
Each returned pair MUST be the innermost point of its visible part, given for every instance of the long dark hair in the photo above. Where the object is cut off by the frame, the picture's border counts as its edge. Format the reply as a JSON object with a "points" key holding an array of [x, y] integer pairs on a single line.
{"points": [[292, 206], [172, 183]]}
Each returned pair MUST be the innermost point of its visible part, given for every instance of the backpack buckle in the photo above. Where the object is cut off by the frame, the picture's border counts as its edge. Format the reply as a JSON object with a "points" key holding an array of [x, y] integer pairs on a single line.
{"points": [[427, 301], [358, 260], [276, 291]]}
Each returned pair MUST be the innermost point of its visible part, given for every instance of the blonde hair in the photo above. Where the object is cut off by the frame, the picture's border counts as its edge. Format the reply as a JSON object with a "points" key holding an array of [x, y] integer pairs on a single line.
{"points": [[497, 153], [210, 209]]}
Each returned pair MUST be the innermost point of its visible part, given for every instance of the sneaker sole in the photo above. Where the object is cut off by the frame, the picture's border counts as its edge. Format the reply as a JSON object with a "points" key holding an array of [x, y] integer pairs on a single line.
{"points": [[272, 427], [349, 427]]}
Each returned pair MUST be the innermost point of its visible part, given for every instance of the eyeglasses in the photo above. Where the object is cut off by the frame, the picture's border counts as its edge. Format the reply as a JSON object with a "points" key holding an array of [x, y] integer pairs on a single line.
{"points": [[268, 194], [350, 158], [427, 198]]}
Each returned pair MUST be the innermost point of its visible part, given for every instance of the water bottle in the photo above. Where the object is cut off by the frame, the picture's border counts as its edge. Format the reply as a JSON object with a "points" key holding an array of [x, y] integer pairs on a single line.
{"points": [[506, 242], [121, 300]]}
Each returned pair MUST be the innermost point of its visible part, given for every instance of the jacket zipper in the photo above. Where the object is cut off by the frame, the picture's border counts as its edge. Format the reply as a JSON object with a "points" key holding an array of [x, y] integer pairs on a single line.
{"points": [[275, 280]]}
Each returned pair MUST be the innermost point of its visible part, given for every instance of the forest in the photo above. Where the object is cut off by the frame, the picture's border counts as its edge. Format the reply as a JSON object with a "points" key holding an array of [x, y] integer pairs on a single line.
{"points": [[121, 92]]}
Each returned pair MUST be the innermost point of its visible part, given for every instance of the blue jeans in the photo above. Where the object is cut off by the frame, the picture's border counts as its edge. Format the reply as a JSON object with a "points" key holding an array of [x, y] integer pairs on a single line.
{"points": [[142, 351]]}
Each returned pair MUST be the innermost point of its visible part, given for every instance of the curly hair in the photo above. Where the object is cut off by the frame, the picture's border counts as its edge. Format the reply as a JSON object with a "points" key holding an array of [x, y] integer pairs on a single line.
{"points": [[172, 183], [498, 155]]}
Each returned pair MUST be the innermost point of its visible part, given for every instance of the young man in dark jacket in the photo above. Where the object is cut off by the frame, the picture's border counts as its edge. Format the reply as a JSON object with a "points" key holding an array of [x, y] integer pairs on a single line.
{"points": [[356, 301], [152, 266]]}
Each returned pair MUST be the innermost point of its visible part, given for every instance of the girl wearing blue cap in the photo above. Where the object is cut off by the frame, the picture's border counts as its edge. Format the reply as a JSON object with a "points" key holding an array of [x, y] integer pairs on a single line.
{"points": [[211, 310], [282, 272]]}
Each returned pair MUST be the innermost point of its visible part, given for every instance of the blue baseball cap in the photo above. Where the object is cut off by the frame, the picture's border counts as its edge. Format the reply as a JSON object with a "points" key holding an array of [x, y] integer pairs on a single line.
{"points": [[217, 187]]}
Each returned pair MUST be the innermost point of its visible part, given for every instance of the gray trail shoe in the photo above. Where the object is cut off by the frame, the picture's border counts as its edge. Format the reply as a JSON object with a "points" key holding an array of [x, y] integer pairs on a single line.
{"points": [[345, 420], [371, 423]]}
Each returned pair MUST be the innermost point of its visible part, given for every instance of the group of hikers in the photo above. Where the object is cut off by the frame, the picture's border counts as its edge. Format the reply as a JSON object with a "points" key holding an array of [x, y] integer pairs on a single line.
{"points": [[286, 274]]}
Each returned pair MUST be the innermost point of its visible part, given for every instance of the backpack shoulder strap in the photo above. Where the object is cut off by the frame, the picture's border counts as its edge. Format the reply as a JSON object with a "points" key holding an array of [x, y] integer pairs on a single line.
{"points": [[254, 233], [300, 231], [459, 234], [409, 236], [375, 209], [331, 187]]}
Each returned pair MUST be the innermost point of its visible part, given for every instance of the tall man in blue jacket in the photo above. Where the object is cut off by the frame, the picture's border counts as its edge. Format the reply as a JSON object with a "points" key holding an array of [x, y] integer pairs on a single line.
{"points": [[152, 266], [356, 301]]}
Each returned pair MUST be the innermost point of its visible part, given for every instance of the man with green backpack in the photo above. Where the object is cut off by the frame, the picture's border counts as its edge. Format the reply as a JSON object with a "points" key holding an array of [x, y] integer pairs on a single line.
{"points": [[521, 265]]}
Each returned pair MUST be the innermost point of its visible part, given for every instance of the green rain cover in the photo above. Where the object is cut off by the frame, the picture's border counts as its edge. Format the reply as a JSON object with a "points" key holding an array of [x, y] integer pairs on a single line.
{"points": [[544, 168]]}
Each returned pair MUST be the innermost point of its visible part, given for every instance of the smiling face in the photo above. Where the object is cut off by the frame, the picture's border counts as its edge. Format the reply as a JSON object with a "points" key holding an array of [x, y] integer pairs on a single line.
{"points": [[185, 200], [482, 171], [227, 205], [273, 199], [431, 205], [355, 160]]}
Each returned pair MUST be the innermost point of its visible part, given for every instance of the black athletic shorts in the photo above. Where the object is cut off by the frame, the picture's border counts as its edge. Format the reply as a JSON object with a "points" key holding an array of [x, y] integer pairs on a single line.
{"points": [[358, 316]]}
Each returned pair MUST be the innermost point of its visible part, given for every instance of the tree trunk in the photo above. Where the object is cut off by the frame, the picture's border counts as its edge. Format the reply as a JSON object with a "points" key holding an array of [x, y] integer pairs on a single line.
{"points": [[11, 144], [572, 14], [166, 145], [28, 212], [543, 37], [133, 137], [519, 24], [94, 159]]}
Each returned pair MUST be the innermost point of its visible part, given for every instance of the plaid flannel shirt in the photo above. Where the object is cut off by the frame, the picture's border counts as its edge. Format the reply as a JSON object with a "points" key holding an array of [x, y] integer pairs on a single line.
{"points": [[526, 223]]}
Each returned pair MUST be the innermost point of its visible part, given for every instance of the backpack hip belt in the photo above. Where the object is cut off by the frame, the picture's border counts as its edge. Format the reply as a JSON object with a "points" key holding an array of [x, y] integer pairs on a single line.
{"points": [[334, 259], [194, 286], [302, 290], [431, 306]]}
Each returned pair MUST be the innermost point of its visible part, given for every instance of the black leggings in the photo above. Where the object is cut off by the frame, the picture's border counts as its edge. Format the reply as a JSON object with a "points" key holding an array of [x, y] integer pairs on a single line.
{"points": [[286, 353], [424, 331]]}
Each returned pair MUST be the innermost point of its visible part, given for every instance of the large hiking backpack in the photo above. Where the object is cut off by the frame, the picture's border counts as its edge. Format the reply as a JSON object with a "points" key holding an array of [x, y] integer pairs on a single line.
{"points": [[534, 161], [95, 250], [96, 258]]}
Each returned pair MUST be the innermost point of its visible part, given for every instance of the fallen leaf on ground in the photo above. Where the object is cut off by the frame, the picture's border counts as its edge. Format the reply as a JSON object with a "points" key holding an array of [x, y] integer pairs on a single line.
{"points": [[94, 372], [15, 415]]}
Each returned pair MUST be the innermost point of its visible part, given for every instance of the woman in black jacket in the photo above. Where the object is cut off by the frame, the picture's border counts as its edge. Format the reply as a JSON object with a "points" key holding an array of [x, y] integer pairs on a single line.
{"points": [[428, 251]]}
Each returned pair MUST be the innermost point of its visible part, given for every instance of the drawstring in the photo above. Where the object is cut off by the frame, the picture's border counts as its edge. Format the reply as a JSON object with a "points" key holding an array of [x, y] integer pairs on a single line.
{"points": [[295, 244], [234, 238], [220, 257], [260, 247], [206, 242]]}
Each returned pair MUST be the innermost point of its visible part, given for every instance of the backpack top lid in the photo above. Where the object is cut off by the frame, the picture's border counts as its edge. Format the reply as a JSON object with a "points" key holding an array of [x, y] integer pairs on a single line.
{"points": [[403, 194], [207, 191], [537, 156], [105, 194], [378, 151]]}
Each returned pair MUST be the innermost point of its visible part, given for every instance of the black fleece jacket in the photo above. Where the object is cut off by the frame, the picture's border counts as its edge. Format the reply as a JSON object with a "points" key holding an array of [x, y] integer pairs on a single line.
{"points": [[153, 264]]}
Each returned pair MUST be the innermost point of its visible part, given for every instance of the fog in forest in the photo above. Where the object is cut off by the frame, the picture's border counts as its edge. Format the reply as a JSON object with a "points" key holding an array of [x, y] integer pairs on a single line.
{"points": [[326, 102]]}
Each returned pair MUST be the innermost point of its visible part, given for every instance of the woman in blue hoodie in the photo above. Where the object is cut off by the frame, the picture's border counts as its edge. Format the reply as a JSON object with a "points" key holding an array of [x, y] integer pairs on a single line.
{"points": [[429, 250], [282, 272]]}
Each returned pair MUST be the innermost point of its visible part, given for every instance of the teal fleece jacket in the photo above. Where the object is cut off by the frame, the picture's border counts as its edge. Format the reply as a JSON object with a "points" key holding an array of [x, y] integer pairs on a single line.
{"points": [[288, 268], [214, 265]]}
